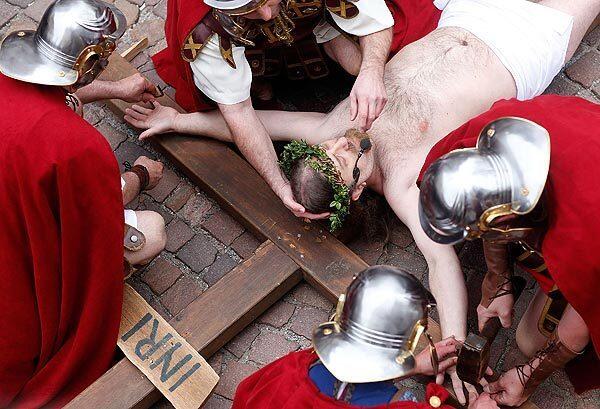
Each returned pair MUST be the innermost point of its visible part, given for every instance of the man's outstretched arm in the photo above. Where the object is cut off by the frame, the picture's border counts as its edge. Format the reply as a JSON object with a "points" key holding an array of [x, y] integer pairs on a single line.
{"points": [[446, 280]]}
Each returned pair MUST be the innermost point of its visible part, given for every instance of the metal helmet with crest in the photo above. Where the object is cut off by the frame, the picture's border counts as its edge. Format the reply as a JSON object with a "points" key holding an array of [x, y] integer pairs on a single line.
{"points": [[376, 327], [465, 193], [70, 47]]}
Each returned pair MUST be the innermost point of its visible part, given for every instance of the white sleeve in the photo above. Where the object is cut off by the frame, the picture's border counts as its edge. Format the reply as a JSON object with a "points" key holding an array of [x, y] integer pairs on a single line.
{"points": [[122, 183], [217, 79], [441, 4], [373, 16]]}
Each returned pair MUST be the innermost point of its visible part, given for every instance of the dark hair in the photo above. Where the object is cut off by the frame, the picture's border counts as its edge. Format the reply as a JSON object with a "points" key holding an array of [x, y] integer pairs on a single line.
{"points": [[310, 187]]}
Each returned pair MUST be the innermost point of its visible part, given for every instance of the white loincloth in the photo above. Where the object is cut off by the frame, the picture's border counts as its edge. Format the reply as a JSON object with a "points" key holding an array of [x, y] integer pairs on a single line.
{"points": [[531, 40]]}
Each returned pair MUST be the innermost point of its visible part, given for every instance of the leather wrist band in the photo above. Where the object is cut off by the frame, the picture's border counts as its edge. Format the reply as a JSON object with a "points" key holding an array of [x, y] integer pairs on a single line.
{"points": [[142, 174]]}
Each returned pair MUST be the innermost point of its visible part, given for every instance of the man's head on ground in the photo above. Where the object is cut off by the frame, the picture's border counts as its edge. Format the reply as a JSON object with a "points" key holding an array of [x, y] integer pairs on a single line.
{"points": [[326, 177], [251, 9], [70, 47]]}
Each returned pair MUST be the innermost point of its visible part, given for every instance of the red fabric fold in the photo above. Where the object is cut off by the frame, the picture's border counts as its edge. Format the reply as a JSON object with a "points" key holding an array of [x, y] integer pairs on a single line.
{"points": [[61, 254], [285, 384], [413, 19], [570, 247]]}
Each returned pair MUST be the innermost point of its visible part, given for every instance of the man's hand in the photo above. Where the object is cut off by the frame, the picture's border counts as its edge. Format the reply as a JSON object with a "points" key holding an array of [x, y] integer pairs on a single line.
{"points": [[508, 390], [135, 88], [368, 97], [483, 401], [501, 307], [284, 192], [155, 121], [155, 170], [446, 350]]}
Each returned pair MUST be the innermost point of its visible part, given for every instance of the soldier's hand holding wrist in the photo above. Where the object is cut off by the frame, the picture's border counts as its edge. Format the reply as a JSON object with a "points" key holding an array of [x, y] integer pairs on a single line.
{"points": [[501, 307], [508, 390]]}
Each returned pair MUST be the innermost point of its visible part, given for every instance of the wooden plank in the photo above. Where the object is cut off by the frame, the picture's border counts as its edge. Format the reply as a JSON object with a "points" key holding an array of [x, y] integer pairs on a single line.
{"points": [[208, 323], [164, 356], [135, 49], [327, 263]]}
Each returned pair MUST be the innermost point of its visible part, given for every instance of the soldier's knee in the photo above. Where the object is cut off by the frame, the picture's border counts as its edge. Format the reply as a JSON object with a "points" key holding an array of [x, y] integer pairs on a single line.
{"points": [[157, 232]]}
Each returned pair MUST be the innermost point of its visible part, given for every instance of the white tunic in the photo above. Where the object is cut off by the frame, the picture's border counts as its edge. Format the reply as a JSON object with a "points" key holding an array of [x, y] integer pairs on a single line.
{"points": [[225, 85]]}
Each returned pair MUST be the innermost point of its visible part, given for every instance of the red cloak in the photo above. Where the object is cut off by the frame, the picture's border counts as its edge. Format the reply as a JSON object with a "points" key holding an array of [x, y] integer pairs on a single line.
{"points": [[570, 246], [61, 249], [413, 19], [285, 384]]}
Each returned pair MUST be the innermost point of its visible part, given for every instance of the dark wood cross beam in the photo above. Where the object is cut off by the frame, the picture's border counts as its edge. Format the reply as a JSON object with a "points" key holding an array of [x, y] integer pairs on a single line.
{"points": [[292, 251]]}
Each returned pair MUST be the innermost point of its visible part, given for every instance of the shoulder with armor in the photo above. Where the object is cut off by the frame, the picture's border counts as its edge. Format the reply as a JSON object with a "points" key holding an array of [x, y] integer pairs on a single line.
{"points": [[343, 8], [214, 23]]}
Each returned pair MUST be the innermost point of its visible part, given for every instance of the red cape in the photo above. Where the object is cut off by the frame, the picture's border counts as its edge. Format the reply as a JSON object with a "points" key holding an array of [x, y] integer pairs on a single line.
{"points": [[413, 19], [61, 251], [285, 384], [570, 246]]}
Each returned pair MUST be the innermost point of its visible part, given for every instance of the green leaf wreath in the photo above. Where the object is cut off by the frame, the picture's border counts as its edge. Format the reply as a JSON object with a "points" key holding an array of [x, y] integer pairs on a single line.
{"points": [[315, 157]]}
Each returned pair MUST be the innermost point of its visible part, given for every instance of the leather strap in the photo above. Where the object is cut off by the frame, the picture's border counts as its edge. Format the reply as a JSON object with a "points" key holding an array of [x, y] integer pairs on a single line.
{"points": [[133, 239], [554, 355], [499, 274], [142, 173]]}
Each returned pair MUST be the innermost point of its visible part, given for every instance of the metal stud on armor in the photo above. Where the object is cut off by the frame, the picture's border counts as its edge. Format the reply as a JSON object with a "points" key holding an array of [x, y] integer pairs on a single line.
{"points": [[70, 47]]}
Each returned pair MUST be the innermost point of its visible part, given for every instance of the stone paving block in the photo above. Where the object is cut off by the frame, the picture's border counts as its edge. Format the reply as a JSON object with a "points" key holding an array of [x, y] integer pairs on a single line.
{"points": [[129, 151], [131, 11], [161, 275], [114, 136], [198, 253], [245, 245], [180, 196], [269, 346], [217, 402], [586, 70], [183, 292], [37, 9], [223, 227], [196, 209], [151, 74], [222, 265], [278, 315], [166, 185], [153, 29], [306, 319], [547, 396], [232, 376], [242, 341], [20, 3], [369, 250], [589, 95], [561, 85], [216, 362], [161, 9], [593, 37], [150, 298], [140, 60], [148, 204], [400, 235], [20, 22], [305, 294], [178, 233], [416, 265], [94, 112], [596, 89], [7, 11]]}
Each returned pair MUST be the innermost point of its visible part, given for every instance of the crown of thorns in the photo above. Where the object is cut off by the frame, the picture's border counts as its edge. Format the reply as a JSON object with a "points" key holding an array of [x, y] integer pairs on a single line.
{"points": [[316, 157]]}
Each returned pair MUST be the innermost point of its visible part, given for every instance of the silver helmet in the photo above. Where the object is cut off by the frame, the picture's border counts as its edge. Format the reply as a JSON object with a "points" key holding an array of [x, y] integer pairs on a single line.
{"points": [[376, 327], [466, 190], [236, 7], [71, 45]]}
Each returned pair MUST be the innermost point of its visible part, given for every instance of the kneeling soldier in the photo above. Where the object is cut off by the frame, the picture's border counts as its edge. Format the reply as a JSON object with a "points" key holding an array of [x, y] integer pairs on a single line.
{"points": [[357, 356], [538, 205]]}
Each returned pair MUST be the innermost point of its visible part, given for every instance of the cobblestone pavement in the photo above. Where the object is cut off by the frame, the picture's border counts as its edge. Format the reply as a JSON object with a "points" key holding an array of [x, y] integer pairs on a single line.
{"points": [[205, 243]]}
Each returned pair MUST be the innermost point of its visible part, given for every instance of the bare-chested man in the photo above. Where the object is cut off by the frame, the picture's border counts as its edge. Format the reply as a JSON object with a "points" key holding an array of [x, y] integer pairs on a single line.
{"points": [[482, 51]]}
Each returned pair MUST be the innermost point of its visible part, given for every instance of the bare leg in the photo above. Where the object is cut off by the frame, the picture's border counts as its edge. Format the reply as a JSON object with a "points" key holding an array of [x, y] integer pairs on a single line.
{"points": [[345, 52], [584, 13], [529, 338], [152, 225]]}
